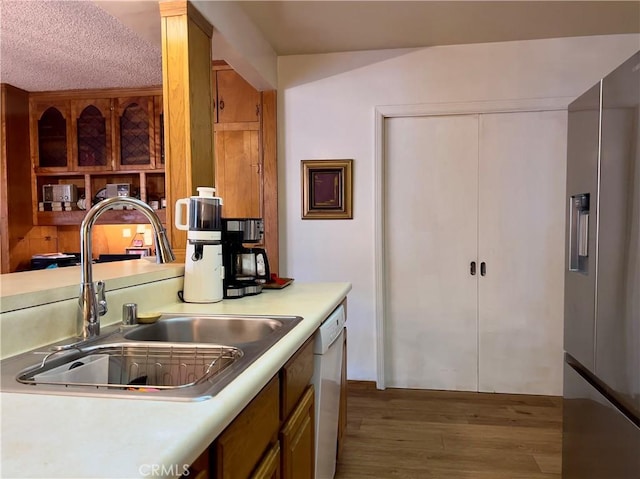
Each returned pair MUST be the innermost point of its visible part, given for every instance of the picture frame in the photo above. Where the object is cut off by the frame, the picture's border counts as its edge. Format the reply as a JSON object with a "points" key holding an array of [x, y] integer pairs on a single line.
{"points": [[327, 189]]}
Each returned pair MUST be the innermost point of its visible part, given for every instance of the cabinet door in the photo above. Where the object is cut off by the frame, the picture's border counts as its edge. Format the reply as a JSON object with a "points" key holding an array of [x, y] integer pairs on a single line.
{"points": [[158, 129], [521, 241], [431, 239], [295, 376], [92, 132], [135, 144], [269, 467], [239, 172], [241, 445], [297, 440], [51, 135], [236, 100]]}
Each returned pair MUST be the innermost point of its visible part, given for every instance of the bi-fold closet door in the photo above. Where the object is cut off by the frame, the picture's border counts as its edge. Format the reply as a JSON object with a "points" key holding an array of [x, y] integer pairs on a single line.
{"points": [[474, 241]]}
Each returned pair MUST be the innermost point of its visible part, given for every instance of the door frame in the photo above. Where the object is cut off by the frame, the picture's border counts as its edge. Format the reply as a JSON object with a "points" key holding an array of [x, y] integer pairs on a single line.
{"points": [[383, 112]]}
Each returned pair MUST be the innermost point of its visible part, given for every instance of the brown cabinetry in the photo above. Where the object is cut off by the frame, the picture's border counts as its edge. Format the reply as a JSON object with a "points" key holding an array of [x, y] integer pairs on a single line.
{"points": [[135, 133], [15, 178], [238, 172], [244, 133], [297, 440], [269, 467], [238, 449], [51, 134], [92, 128], [236, 100], [91, 138], [273, 436]]}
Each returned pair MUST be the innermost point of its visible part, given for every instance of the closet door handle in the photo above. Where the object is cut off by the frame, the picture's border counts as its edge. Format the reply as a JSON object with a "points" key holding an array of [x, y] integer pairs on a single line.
{"points": [[472, 268], [483, 268]]}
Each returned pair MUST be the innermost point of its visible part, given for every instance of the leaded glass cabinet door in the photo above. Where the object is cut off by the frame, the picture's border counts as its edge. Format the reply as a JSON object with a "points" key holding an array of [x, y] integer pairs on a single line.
{"points": [[92, 148], [50, 135], [136, 142], [159, 131]]}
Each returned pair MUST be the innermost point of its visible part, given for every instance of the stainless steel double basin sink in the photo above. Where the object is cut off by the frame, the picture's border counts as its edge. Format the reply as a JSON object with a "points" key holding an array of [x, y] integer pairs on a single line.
{"points": [[178, 358]]}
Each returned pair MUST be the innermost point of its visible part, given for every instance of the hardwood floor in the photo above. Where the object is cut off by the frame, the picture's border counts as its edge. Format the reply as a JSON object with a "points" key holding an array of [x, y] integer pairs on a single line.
{"points": [[414, 434]]}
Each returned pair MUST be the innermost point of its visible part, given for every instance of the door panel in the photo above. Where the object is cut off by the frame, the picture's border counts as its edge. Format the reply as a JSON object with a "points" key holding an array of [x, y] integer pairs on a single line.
{"points": [[598, 442], [520, 238], [430, 239], [238, 172], [618, 311], [582, 177]]}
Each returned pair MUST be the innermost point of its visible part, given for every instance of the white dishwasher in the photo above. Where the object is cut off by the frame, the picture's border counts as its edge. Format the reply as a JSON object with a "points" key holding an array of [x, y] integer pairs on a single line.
{"points": [[327, 369]]}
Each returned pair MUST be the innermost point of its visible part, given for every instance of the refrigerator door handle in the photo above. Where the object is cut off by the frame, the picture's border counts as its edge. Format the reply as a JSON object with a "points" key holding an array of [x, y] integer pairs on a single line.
{"points": [[483, 269], [472, 268]]}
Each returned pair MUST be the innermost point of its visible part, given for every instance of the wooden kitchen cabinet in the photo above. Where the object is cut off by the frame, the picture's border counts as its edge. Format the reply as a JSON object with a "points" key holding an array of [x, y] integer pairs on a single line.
{"points": [[135, 133], [111, 136], [92, 129], [295, 376], [297, 439], [274, 434], [236, 101], [269, 467], [239, 172], [51, 141], [244, 131], [239, 448], [297, 400]]}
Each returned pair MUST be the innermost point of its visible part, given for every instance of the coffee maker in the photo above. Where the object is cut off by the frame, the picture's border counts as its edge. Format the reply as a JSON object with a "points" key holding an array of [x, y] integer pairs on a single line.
{"points": [[203, 271], [246, 269]]}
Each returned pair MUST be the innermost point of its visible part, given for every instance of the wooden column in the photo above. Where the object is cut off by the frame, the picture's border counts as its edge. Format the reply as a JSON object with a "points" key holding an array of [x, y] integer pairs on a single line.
{"points": [[15, 179], [188, 112]]}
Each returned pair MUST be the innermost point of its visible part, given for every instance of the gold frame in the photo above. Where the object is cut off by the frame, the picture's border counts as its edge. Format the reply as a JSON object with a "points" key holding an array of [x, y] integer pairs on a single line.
{"points": [[327, 189]]}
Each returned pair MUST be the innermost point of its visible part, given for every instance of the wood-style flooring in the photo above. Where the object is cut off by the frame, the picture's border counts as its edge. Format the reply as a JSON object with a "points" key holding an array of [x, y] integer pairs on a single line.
{"points": [[415, 434]]}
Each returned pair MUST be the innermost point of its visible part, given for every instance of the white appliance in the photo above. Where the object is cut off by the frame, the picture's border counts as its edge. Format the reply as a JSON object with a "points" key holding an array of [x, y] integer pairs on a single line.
{"points": [[203, 270], [327, 368]]}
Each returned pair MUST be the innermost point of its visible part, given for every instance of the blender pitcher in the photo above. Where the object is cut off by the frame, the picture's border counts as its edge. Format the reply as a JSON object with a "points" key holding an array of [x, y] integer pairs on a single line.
{"points": [[203, 270]]}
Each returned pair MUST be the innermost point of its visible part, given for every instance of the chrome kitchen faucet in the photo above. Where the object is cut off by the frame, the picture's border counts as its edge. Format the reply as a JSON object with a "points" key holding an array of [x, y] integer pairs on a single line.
{"points": [[90, 307]]}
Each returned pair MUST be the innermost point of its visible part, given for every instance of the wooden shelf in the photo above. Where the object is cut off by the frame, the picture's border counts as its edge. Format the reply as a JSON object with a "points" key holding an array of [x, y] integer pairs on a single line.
{"points": [[62, 218]]}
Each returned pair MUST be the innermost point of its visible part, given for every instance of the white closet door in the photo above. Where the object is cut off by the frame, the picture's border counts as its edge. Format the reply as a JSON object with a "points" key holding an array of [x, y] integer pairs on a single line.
{"points": [[430, 240], [521, 240]]}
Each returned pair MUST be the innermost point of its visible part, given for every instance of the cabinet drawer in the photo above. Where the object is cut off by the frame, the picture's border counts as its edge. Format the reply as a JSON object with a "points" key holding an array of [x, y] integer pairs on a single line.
{"points": [[239, 448], [295, 376]]}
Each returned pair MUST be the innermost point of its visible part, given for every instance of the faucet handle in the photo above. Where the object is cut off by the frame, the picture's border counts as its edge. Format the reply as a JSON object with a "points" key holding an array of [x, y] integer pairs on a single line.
{"points": [[102, 299]]}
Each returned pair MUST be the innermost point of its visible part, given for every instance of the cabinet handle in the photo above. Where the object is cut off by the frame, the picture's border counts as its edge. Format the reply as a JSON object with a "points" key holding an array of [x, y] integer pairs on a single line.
{"points": [[483, 268], [257, 111], [221, 104], [472, 268]]}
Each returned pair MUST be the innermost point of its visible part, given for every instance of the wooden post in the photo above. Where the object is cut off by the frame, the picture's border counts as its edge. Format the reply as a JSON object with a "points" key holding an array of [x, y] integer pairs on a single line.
{"points": [[188, 108]]}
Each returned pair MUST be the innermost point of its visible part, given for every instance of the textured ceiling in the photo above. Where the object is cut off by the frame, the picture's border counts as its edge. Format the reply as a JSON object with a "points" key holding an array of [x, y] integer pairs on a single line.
{"points": [[61, 45], [57, 45]]}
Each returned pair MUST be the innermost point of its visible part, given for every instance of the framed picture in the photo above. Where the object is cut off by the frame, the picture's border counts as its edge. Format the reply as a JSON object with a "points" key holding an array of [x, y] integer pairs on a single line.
{"points": [[327, 189]]}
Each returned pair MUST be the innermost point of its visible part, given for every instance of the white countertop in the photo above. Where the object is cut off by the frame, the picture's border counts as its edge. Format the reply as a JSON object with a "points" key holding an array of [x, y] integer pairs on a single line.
{"points": [[63, 436]]}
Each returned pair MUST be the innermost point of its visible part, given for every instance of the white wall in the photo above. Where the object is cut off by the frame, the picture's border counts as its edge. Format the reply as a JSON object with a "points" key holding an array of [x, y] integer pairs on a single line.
{"points": [[326, 111]]}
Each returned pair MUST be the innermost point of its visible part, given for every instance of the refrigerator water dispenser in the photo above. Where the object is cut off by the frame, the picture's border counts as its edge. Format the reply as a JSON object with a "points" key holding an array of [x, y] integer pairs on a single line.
{"points": [[579, 233]]}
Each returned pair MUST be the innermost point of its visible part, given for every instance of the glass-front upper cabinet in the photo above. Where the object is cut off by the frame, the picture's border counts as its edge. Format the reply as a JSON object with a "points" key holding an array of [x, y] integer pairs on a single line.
{"points": [[92, 148], [50, 135], [135, 136], [159, 130]]}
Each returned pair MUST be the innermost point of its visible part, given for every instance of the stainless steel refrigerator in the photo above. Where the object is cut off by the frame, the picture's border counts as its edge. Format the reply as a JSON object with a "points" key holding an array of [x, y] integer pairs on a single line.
{"points": [[601, 404]]}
